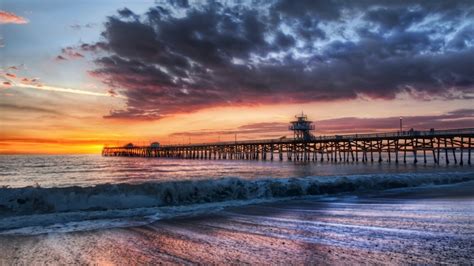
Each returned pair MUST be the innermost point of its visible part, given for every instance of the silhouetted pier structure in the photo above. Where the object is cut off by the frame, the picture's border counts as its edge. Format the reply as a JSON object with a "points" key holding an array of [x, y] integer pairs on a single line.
{"points": [[450, 146], [454, 145]]}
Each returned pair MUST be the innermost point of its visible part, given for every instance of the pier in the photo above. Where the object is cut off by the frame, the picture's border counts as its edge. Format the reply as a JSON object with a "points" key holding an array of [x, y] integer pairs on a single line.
{"points": [[452, 146]]}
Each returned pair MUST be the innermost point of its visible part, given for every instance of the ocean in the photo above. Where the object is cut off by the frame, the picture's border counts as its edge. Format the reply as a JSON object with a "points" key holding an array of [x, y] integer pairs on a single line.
{"points": [[88, 209]]}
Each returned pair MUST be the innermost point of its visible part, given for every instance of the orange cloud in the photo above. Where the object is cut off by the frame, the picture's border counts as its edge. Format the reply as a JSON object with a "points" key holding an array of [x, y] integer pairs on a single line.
{"points": [[10, 75], [10, 18], [7, 83]]}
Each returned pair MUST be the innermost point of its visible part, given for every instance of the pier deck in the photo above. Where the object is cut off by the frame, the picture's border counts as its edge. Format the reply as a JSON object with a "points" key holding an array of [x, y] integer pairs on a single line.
{"points": [[449, 146]]}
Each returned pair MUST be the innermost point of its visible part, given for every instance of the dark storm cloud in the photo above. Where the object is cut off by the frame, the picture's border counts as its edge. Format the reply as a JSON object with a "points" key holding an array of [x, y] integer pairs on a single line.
{"points": [[463, 38], [182, 57], [389, 18], [179, 3], [323, 9], [127, 13]]}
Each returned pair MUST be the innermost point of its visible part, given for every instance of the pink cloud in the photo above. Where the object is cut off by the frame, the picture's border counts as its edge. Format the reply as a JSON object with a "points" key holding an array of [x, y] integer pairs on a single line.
{"points": [[461, 118], [10, 18]]}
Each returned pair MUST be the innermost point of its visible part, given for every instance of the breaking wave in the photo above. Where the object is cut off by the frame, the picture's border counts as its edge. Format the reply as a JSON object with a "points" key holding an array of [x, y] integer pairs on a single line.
{"points": [[165, 199]]}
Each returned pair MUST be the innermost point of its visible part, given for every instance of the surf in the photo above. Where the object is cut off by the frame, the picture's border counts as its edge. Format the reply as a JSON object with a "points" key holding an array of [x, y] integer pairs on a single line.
{"points": [[122, 204]]}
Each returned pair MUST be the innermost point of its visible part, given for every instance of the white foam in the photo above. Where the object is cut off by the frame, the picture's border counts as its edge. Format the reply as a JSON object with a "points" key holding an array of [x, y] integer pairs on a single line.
{"points": [[111, 205]]}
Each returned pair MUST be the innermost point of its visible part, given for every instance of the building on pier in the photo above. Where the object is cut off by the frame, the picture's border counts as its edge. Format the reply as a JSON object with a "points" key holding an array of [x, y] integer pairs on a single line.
{"points": [[302, 128]]}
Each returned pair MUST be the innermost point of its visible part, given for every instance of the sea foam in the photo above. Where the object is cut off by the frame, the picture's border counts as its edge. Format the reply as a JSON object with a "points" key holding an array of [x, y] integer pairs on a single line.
{"points": [[30, 206], [30, 200]]}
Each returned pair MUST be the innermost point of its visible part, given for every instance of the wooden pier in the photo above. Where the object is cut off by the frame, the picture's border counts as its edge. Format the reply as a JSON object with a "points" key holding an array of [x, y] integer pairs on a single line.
{"points": [[440, 146]]}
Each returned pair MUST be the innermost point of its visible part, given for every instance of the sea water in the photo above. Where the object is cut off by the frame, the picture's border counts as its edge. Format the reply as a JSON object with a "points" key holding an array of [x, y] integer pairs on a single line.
{"points": [[315, 208]]}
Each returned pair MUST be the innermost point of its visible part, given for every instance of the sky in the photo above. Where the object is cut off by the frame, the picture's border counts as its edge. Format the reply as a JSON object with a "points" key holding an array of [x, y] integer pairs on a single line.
{"points": [[78, 75]]}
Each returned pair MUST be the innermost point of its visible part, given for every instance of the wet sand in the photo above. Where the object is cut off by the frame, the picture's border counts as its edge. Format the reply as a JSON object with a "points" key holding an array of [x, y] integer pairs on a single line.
{"points": [[419, 226]]}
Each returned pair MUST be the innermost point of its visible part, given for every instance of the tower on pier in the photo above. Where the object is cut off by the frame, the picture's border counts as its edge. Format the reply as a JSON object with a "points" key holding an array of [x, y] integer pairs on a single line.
{"points": [[302, 127]]}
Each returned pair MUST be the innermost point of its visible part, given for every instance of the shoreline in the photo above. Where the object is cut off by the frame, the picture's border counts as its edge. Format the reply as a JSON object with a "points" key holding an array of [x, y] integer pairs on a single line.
{"points": [[421, 226]]}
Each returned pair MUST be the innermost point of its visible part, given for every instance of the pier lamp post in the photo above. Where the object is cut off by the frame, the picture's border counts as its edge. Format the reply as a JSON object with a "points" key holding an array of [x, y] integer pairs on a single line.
{"points": [[401, 119]]}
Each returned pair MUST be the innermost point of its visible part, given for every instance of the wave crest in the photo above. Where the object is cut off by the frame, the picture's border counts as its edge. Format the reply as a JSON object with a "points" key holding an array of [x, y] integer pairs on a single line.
{"points": [[38, 200]]}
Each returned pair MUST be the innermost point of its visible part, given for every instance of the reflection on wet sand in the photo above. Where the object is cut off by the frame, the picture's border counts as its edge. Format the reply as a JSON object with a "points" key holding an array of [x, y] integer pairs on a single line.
{"points": [[410, 227]]}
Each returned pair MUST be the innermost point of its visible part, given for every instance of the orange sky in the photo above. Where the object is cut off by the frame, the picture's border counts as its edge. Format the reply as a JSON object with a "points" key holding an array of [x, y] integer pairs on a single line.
{"points": [[60, 78], [52, 122]]}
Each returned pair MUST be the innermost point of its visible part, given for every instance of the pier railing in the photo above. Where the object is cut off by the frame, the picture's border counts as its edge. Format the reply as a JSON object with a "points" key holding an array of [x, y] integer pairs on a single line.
{"points": [[395, 134]]}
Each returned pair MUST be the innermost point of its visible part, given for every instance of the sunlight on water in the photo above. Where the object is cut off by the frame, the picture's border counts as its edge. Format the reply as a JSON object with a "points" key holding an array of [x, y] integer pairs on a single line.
{"points": [[87, 170], [91, 209]]}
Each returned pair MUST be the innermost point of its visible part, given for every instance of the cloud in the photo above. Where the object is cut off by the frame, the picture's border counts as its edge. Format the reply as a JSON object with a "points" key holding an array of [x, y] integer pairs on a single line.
{"points": [[33, 83], [126, 13], [60, 58], [10, 18], [65, 90], [82, 26], [5, 140], [14, 68], [462, 118], [23, 108], [95, 47], [249, 129], [69, 52], [179, 58], [112, 93]]}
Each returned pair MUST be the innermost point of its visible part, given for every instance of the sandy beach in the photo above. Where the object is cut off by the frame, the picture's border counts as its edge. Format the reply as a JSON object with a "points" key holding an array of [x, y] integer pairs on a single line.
{"points": [[416, 226]]}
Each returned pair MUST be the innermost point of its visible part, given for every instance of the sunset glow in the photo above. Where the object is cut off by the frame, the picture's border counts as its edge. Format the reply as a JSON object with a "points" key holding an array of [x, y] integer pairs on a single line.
{"points": [[113, 73], [236, 132]]}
